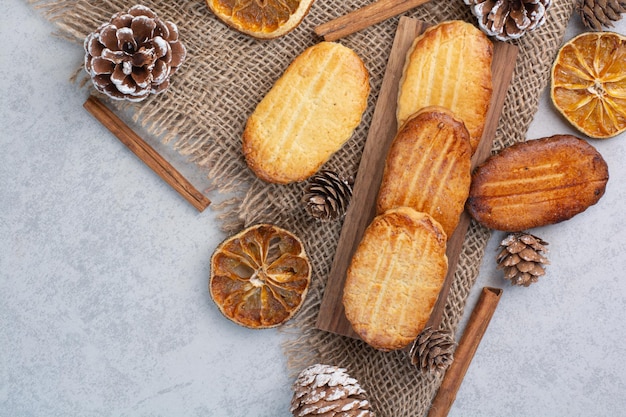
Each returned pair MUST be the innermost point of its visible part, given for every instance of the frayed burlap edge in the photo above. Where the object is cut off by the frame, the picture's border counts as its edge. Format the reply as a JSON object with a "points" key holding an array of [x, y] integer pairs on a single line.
{"points": [[202, 116]]}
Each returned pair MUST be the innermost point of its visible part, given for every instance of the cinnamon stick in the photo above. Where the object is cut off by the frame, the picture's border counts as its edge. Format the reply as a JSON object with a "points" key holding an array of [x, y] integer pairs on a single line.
{"points": [[146, 153], [474, 331], [364, 17]]}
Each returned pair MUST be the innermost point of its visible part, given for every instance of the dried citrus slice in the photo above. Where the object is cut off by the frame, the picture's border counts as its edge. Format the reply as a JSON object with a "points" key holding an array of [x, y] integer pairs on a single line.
{"points": [[589, 83], [264, 19], [260, 277]]}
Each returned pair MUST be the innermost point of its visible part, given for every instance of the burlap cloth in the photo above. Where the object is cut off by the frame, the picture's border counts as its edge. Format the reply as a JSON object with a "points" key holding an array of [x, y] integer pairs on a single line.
{"points": [[203, 113]]}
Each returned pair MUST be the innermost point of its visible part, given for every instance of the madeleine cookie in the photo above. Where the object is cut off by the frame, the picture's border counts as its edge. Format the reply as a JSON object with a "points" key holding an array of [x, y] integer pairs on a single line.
{"points": [[537, 183]]}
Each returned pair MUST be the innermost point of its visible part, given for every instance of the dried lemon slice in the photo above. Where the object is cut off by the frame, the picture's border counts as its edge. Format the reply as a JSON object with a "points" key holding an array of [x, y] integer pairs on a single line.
{"points": [[260, 277], [589, 83], [263, 19]]}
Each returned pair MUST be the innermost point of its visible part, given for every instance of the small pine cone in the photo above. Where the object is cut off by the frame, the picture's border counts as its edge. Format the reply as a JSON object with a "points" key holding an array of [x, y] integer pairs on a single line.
{"points": [[324, 390], [521, 258], [433, 351], [509, 19], [327, 195], [133, 55], [598, 13]]}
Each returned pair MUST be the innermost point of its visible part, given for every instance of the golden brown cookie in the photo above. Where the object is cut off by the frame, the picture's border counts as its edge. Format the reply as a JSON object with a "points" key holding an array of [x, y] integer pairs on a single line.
{"points": [[309, 113], [449, 65], [537, 183], [395, 277], [428, 167]]}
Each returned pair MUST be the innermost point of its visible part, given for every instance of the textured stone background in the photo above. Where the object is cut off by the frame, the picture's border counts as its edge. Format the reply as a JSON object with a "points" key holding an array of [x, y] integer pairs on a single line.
{"points": [[104, 308]]}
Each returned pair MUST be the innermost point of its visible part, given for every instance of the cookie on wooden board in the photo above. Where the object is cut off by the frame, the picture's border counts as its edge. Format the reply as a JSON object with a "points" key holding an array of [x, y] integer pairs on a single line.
{"points": [[395, 277], [449, 65], [428, 167]]}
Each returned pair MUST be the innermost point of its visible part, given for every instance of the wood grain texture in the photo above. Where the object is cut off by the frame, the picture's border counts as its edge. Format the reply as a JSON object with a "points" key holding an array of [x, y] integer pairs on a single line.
{"points": [[331, 317], [364, 17], [369, 176], [146, 153]]}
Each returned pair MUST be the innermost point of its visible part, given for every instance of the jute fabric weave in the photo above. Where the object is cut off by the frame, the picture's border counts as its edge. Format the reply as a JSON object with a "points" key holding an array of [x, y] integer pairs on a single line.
{"points": [[203, 115]]}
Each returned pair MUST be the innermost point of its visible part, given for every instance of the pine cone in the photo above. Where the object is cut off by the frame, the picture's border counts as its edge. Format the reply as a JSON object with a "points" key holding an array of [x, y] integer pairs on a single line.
{"points": [[327, 195], [133, 55], [521, 258], [433, 350], [328, 391], [597, 13], [509, 19]]}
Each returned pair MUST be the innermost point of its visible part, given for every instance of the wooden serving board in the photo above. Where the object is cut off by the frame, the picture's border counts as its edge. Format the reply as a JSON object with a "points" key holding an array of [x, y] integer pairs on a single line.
{"points": [[383, 128]]}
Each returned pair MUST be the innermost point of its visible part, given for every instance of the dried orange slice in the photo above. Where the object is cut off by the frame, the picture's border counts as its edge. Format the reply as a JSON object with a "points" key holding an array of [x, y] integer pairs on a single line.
{"points": [[263, 19], [260, 276], [589, 83]]}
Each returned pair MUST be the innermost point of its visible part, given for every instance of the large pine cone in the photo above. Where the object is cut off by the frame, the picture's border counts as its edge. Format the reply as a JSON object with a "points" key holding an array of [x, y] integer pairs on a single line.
{"points": [[133, 55], [509, 19], [597, 13], [329, 391]]}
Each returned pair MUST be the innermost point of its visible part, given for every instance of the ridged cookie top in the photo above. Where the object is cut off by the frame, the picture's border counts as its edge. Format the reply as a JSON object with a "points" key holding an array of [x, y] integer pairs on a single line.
{"points": [[395, 277], [537, 183], [428, 167], [449, 65], [309, 113]]}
